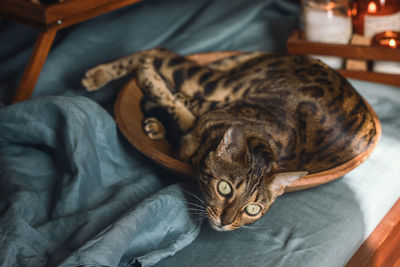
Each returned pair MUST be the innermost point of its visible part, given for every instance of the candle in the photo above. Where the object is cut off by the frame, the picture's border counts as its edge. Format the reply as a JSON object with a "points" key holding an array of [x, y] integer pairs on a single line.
{"points": [[389, 40], [327, 22], [371, 9], [393, 43], [374, 16]]}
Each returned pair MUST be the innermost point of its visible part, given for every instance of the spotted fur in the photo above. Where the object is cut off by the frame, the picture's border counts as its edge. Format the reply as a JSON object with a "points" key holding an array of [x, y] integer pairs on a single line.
{"points": [[252, 123]]}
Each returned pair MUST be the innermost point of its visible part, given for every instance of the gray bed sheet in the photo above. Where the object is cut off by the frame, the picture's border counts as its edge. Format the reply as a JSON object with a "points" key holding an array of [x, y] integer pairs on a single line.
{"points": [[73, 192]]}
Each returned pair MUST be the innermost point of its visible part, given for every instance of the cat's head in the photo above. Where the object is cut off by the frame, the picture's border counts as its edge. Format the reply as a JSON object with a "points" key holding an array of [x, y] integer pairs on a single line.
{"points": [[238, 182]]}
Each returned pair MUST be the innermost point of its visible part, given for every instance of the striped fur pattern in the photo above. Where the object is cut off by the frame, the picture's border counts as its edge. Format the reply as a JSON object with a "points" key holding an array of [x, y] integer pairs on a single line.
{"points": [[253, 123]]}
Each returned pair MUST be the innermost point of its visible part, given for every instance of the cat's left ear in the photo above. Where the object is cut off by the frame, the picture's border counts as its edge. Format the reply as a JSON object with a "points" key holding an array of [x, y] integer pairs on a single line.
{"points": [[233, 146], [282, 179]]}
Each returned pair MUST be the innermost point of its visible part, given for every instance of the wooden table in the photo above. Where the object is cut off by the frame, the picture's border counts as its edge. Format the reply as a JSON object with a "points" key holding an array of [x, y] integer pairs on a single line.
{"points": [[48, 19]]}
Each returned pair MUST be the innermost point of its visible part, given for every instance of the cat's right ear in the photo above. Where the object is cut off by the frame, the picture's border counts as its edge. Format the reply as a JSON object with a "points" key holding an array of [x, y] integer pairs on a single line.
{"points": [[233, 146]]}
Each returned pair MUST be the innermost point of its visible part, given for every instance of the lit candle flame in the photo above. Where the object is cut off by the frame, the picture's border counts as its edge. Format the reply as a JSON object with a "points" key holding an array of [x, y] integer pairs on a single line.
{"points": [[392, 43], [354, 11], [372, 7]]}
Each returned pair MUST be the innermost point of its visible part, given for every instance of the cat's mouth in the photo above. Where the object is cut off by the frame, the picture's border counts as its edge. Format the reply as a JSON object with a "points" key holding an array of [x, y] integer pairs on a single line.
{"points": [[215, 221], [221, 228]]}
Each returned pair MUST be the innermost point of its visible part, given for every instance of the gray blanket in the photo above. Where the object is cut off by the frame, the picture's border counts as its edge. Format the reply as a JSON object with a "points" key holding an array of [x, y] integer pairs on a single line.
{"points": [[73, 192]]}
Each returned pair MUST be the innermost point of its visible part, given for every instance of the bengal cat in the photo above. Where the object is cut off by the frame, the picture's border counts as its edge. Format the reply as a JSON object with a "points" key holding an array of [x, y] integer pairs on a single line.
{"points": [[253, 123]]}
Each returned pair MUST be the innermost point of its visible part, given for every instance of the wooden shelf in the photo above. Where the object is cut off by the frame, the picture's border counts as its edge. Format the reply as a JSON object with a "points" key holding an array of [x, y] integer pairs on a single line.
{"points": [[297, 45]]}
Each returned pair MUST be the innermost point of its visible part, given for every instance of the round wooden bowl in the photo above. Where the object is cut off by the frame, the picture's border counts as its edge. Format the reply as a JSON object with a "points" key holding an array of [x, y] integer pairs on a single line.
{"points": [[129, 119]]}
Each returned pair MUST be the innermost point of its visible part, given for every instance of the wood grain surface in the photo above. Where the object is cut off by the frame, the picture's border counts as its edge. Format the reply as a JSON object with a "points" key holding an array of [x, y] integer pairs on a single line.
{"points": [[382, 247], [34, 65], [59, 15]]}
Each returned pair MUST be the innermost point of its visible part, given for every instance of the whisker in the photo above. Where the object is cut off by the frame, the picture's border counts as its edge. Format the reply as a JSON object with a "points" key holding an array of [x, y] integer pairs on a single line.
{"points": [[198, 217], [194, 205], [246, 226], [197, 212], [192, 194], [242, 234], [237, 231], [252, 227], [194, 209]]}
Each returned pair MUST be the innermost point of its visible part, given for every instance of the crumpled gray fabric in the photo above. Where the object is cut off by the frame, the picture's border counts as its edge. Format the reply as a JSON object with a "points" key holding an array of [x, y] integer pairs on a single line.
{"points": [[73, 192]]}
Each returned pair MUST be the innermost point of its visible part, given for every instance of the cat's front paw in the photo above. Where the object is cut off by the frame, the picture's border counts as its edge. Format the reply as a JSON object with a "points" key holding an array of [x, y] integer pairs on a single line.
{"points": [[96, 78], [153, 128]]}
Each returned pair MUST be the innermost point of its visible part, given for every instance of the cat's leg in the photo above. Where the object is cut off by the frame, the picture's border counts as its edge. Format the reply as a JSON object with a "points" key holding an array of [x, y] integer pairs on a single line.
{"points": [[156, 87], [204, 83], [102, 74], [231, 62]]}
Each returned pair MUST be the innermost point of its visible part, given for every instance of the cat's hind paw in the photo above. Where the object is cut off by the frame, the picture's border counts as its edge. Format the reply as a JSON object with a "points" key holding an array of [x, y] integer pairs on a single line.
{"points": [[96, 78], [154, 128]]}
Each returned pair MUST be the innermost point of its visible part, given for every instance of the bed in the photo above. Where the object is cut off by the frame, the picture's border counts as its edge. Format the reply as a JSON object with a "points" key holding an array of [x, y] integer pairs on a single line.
{"points": [[73, 192]]}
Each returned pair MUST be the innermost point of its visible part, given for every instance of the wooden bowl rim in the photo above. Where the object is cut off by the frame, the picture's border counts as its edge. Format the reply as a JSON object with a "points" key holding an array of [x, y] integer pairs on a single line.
{"points": [[185, 170]]}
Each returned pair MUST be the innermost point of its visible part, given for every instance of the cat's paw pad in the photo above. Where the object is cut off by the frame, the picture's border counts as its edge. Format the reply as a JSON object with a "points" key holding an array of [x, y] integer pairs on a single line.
{"points": [[153, 128], [96, 78]]}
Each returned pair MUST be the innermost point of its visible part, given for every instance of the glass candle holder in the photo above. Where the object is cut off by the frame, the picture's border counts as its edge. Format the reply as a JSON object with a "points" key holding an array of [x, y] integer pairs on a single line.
{"points": [[327, 21], [388, 40], [375, 16]]}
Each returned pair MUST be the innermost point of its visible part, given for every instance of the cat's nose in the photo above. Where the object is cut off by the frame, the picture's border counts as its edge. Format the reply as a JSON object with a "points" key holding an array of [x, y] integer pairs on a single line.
{"points": [[225, 222], [226, 219]]}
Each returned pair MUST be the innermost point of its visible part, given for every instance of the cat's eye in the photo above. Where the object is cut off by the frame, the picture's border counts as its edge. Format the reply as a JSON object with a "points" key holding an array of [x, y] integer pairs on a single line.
{"points": [[224, 188], [253, 209]]}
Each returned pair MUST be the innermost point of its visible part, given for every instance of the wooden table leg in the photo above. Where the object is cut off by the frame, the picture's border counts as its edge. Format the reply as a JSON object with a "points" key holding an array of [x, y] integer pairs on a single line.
{"points": [[35, 65]]}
